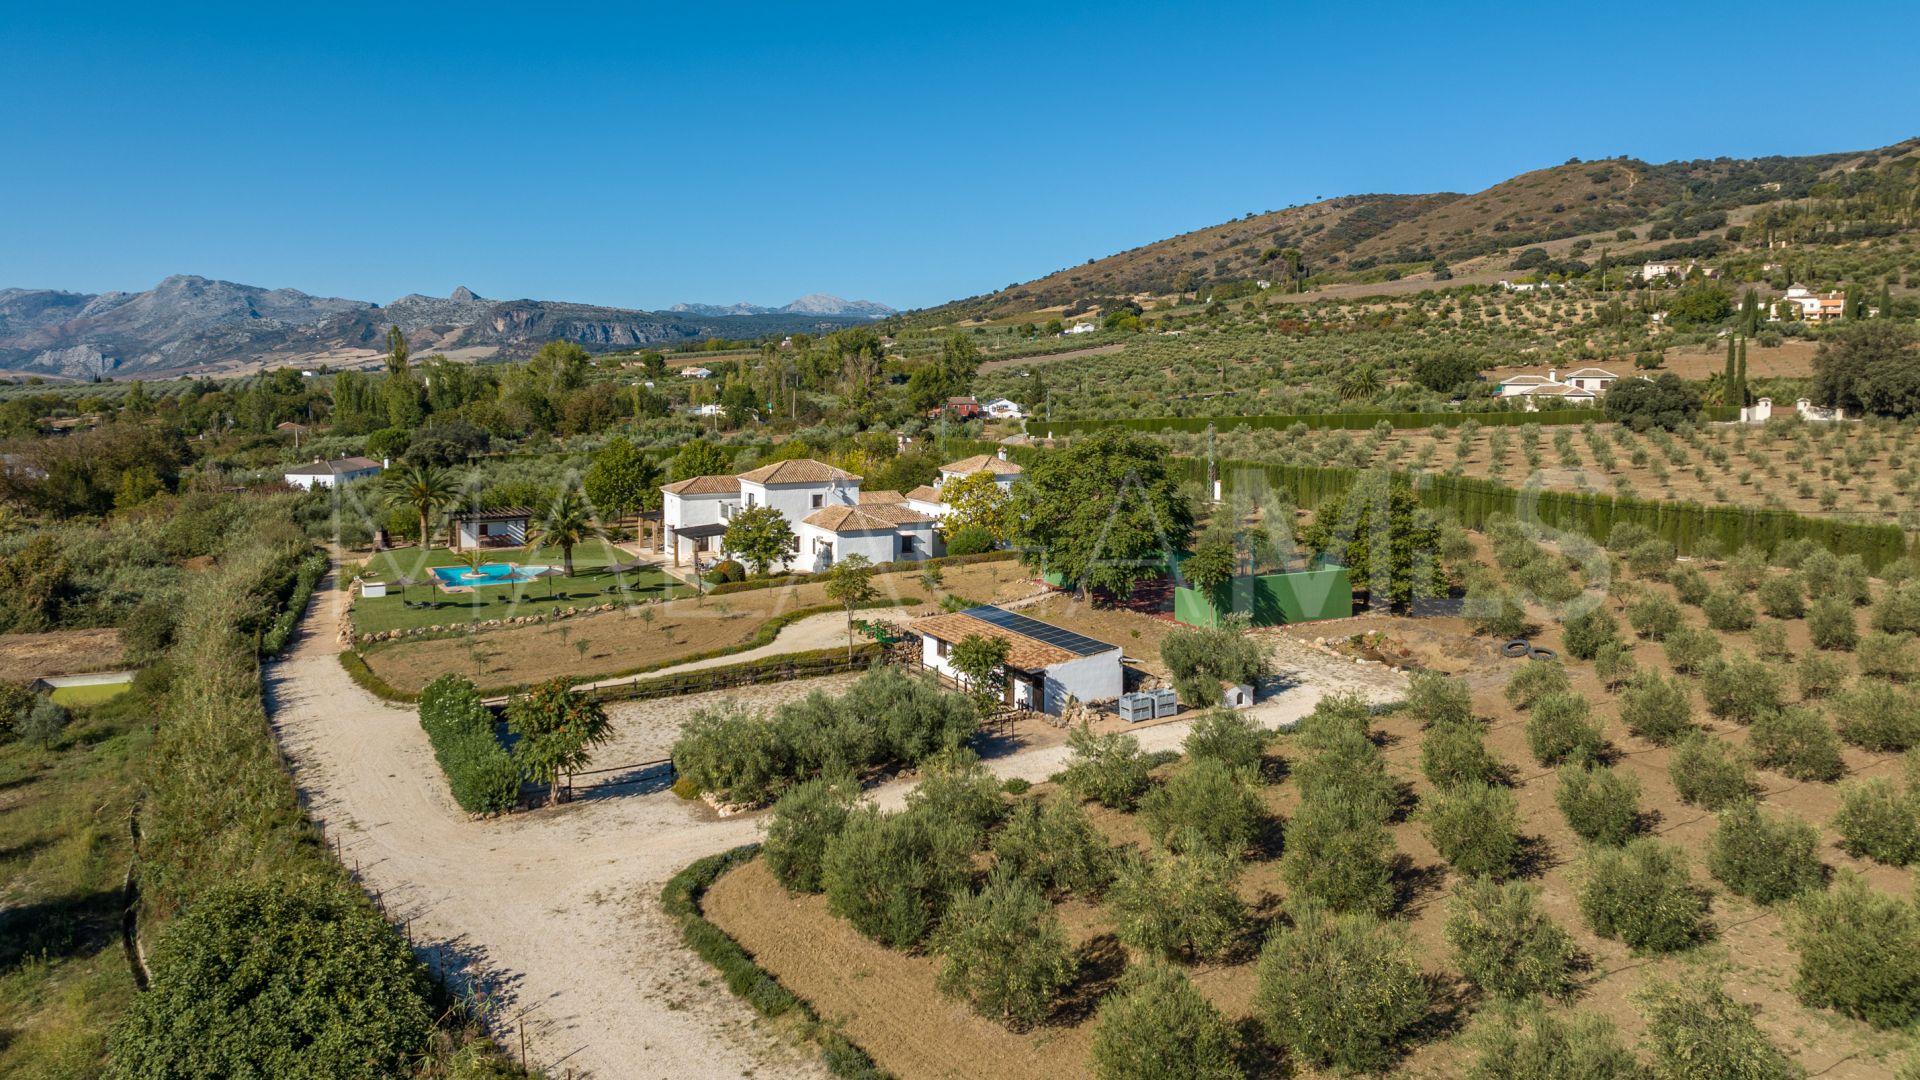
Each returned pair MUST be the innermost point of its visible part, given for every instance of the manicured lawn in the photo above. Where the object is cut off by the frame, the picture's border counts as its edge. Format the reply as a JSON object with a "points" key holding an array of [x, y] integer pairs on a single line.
{"points": [[81, 696], [588, 585]]}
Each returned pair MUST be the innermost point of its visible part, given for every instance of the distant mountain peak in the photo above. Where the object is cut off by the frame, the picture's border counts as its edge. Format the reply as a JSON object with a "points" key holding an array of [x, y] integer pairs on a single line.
{"points": [[464, 293], [810, 304]]}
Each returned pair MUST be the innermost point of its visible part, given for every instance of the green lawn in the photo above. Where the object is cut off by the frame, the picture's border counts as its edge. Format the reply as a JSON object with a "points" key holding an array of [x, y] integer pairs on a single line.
{"points": [[589, 585], [80, 696]]}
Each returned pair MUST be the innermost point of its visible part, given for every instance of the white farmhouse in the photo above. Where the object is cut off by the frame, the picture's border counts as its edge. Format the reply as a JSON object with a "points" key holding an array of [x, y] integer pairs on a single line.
{"points": [[696, 373], [694, 513], [830, 516], [1002, 409], [333, 473], [1580, 389], [1046, 664], [927, 498]]}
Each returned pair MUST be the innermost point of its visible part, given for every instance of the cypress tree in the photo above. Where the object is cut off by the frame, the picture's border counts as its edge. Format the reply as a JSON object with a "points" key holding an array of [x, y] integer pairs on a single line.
{"points": [[1742, 398], [1726, 377], [1886, 299]]}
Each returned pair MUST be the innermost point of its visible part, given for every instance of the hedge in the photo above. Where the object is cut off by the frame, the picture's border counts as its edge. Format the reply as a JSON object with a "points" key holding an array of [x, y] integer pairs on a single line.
{"points": [[777, 580], [482, 775], [680, 898], [280, 634], [1357, 421]]}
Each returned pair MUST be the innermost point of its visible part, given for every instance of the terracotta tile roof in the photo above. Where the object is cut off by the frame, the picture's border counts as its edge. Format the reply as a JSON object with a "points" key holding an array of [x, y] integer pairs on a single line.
{"points": [[704, 485], [335, 467], [1592, 373], [1024, 652], [1556, 390], [878, 518], [982, 463], [498, 513], [797, 471], [925, 493], [870, 498]]}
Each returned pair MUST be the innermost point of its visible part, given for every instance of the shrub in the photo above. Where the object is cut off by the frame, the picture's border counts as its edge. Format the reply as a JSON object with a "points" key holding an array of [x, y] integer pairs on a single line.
{"points": [[1656, 709], [1229, 737], [1698, 1032], [1535, 680], [1690, 649], [1200, 658], [481, 774], [1156, 1026], [1727, 609], [1784, 597], [1475, 828], [1178, 906], [1763, 857], [1437, 700], [1708, 773], [1690, 585], [1601, 805], [1204, 805], [1642, 895], [1109, 769], [892, 875], [957, 788], [1796, 742], [736, 754], [913, 718], [1005, 951], [1651, 559], [1819, 675], [1355, 1020], [1653, 616], [1887, 656], [969, 540], [1879, 820], [1457, 754], [1561, 729], [1876, 716], [1830, 624], [1533, 1044], [1494, 612], [803, 824], [1503, 943], [1614, 665], [1337, 855], [1741, 689], [277, 977], [1585, 632], [1053, 845], [1859, 953], [1898, 609]]}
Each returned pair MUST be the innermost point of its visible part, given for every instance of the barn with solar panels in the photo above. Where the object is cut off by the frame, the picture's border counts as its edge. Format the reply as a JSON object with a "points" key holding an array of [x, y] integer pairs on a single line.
{"points": [[1046, 664]]}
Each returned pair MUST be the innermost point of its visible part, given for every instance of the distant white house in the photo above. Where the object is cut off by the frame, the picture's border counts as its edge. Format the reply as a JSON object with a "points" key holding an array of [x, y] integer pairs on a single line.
{"points": [[695, 373], [1762, 411], [1816, 307], [1081, 328], [333, 473], [710, 409], [1046, 666], [1580, 389], [1001, 409]]}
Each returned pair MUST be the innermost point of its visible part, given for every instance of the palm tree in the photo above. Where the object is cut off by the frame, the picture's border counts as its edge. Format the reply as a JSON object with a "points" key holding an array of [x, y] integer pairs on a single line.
{"points": [[423, 489], [566, 520], [1360, 381]]}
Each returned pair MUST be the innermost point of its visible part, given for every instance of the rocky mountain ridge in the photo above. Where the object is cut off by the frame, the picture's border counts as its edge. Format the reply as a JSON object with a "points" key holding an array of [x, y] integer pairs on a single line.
{"points": [[810, 304]]}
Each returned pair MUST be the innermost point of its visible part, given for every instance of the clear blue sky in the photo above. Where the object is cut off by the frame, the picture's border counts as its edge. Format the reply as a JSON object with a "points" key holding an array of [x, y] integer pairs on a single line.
{"points": [[907, 153]]}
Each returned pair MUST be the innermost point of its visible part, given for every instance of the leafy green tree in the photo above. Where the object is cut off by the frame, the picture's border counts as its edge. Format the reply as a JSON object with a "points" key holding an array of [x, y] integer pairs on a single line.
{"points": [[566, 521], [1879, 819], [760, 537], [1698, 1031], [977, 501], [1664, 402], [1452, 755], [558, 730], [1229, 737], [1156, 1026], [1052, 844], [982, 660], [1503, 943], [1871, 366], [1708, 773], [1337, 854], [1211, 566], [1476, 828], [423, 489], [1700, 304], [1206, 805], [850, 584], [804, 822], [1796, 741], [622, 481], [1200, 658], [1642, 895], [1859, 953], [1763, 857], [1005, 950], [1533, 1044], [893, 875], [1389, 544], [1178, 906], [281, 978], [1340, 991], [701, 458], [1102, 513], [1109, 769], [1601, 805]]}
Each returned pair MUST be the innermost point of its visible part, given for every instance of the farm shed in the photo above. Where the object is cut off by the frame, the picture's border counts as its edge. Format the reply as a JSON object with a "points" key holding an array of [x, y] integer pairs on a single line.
{"points": [[1046, 664]]}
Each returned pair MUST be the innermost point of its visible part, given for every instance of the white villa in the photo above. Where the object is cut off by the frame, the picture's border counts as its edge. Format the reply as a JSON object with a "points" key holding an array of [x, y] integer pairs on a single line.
{"points": [[830, 516], [1816, 307], [926, 498], [1046, 664], [1580, 389], [333, 473], [1002, 409]]}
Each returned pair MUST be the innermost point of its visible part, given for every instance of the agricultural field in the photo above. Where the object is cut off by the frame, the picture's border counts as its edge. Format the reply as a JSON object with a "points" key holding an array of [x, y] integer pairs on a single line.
{"points": [[1624, 777]]}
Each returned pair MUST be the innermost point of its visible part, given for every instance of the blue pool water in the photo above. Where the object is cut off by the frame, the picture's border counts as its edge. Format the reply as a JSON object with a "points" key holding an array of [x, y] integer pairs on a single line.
{"points": [[488, 574]]}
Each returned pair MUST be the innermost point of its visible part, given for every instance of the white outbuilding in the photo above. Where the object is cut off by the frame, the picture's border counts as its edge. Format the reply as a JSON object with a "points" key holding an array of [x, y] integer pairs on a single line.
{"points": [[1046, 664]]}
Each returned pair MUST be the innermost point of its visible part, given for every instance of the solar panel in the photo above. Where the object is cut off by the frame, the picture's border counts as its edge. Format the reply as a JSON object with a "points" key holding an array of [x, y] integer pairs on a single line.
{"points": [[1060, 637]]}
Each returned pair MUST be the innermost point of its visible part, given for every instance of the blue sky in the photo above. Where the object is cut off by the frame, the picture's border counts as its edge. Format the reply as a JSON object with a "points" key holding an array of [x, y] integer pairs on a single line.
{"points": [[636, 155]]}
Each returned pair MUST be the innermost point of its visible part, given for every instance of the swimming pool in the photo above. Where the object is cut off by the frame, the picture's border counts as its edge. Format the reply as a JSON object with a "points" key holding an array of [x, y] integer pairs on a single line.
{"points": [[487, 574]]}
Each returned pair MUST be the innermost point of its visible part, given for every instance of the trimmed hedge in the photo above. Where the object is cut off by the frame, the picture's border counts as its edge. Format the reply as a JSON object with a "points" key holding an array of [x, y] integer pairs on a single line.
{"points": [[1356, 421], [680, 898], [280, 634], [482, 775]]}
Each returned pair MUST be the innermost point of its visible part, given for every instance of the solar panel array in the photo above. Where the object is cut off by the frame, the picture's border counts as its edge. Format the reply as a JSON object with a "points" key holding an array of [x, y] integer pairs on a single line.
{"points": [[1077, 644]]}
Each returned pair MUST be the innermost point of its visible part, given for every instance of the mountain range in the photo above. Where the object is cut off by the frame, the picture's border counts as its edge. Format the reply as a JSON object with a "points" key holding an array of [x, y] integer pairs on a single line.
{"points": [[195, 325], [810, 304]]}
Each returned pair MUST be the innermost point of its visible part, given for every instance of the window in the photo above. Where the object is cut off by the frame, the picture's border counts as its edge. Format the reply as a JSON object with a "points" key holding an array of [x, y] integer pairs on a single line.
{"points": [[906, 545], [940, 648], [749, 498], [819, 500]]}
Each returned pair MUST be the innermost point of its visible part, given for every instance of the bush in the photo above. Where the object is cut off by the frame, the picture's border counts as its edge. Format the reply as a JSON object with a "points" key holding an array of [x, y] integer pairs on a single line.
{"points": [[1494, 612], [1475, 828], [1109, 769], [1653, 616], [1601, 805], [1784, 597], [726, 572], [1585, 633], [1690, 585], [1698, 1032], [1156, 1026], [1887, 656], [892, 875], [1205, 805], [1504, 944], [1437, 700], [1656, 709], [803, 824], [1859, 953], [1200, 658], [1876, 716], [1741, 689], [1879, 820], [1898, 609], [1614, 665], [735, 754], [1796, 742], [1652, 559], [1641, 894], [956, 787], [1819, 675], [1053, 845], [1708, 773], [1457, 754], [1178, 906], [1690, 649], [969, 540], [1535, 680], [481, 774], [1336, 855], [1535, 1045], [1355, 1021], [1229, 737], [1830, 624], [1727, 609], [1763, 857], [1005, 951], [1561, 729], [277, 977]]}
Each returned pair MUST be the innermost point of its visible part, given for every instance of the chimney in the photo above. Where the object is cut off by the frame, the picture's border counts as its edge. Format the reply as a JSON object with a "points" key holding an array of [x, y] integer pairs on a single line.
{"points": [[386, 463], [1553, 374], [1003, 453]]}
